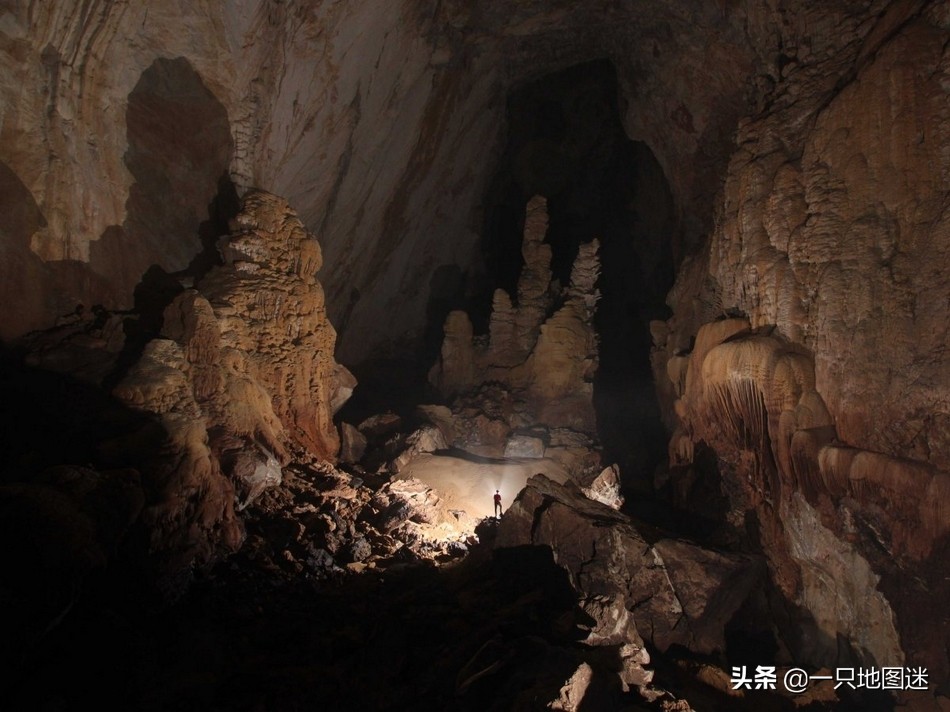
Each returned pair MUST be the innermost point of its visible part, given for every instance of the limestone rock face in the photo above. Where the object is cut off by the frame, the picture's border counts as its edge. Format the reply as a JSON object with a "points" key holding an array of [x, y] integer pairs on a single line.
{"points": [[547, 362], [457, 359], [243, 378], [563, 361], [753, 400], [375, 121], [844, 246], [189, 516], [120, 122], [670, 592], [526, 391], [828, 400], [274, 334], [533, 296]]}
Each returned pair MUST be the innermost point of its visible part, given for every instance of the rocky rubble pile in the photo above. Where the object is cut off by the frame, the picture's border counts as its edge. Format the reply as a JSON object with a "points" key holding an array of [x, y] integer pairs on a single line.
{"points": [[220, 385], [664, 592], [321, 523]]}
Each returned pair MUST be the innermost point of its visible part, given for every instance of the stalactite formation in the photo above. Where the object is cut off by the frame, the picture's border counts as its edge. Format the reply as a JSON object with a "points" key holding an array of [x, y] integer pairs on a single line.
{"points": [[678, 274]]}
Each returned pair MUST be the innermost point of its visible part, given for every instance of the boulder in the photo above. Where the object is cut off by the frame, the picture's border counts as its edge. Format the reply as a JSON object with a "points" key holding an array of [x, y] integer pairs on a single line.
{"points": [[426, 439], [253, 470], [571, 695], [380, 424], [605, 488], [674, 591], [524, 446], [352, 444]]}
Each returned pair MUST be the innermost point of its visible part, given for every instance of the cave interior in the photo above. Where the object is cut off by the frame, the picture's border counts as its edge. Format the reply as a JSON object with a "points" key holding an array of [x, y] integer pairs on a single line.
{"points": [[675, 282]]}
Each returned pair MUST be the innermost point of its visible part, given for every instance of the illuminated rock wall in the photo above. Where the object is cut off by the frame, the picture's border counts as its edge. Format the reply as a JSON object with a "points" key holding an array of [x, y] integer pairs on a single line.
{"points": [[828, 401]]}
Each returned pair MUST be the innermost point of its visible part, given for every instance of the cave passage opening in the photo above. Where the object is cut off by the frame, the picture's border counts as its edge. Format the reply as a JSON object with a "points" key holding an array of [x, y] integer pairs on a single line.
{"points": [[566, 142]]}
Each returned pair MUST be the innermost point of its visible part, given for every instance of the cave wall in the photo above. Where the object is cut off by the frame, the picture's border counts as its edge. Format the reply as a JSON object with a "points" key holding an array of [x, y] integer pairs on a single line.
{"points": [[354, 111], [378, 122], [826, 396], [840, 236], [806, 141]]}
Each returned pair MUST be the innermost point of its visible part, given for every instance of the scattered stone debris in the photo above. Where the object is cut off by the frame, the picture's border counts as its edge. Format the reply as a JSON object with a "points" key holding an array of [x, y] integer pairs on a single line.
{"points": [[666, 592], [321, 522], [605, 488]]}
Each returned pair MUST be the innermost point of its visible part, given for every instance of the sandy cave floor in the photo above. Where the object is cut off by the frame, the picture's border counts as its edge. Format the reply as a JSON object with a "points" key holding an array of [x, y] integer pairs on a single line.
{"points": [[469, 483]]}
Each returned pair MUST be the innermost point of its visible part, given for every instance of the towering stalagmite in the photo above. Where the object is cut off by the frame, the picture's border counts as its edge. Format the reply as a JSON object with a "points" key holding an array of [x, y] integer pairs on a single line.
{"points": [[548, 360], [807, 148], [243, 378]]}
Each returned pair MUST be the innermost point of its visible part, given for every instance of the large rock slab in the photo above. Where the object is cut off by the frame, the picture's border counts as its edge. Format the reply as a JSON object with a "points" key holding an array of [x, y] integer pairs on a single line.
{"points": [[674, 591]]}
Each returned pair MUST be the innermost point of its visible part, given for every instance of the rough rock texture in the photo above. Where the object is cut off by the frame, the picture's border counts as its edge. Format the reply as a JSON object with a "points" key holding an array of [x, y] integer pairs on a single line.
{"points": [[667, 592], [322, 523], [526, 391], [524, 446], [352, 111], [605, 488], [426, 439], [242, 378], [119, 120], [546, 360], [352, 443], [271, 333], [457, 369], [829, 400], [842, 526], [189, 517]]}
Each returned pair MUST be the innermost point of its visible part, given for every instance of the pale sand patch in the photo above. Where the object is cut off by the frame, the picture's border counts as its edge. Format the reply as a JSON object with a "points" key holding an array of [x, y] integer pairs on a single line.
{"points": [[470, 486]]}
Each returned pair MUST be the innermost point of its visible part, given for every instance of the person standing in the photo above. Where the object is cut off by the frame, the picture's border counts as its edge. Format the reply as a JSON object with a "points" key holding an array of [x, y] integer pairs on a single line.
{"points": [[497, 504]]}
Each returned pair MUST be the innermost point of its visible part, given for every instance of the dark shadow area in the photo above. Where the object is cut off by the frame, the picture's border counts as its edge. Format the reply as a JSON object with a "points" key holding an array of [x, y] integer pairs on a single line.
{"points": [[51, 418], [180, 147], [399, 383], [447, 291], [387, 384], [152, 294], [460, 454], [566, 142], [688, 500], [497, 631], [924, 586], [179, 150], [224, 207], [158, 287], [67, 499]]}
